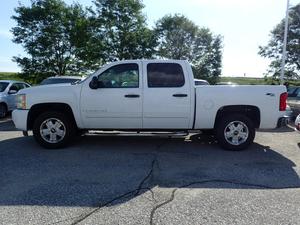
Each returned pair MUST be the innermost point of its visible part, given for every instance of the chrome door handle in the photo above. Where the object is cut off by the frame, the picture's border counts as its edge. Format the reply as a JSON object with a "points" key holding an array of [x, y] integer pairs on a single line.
{"points": [[180, 95], [131, 96], [270, 94]]}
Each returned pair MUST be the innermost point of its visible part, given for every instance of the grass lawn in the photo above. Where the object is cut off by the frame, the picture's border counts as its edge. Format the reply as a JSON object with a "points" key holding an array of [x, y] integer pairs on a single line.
{"points": [[9, 76]]}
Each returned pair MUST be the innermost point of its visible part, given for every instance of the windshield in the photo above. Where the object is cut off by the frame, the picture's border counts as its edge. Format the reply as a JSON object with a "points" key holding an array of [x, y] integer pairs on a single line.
{"points": [[3, 86], [59, 80]]}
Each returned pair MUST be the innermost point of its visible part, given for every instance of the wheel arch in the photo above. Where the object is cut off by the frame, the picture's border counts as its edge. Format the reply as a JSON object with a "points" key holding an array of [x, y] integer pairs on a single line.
{"points": [[37, 109], [5, 104], [252, 112]]}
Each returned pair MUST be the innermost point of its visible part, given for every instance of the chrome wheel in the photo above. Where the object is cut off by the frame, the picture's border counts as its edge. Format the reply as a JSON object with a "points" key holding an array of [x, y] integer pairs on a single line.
{"points": [[52, 130], [236, 133]]}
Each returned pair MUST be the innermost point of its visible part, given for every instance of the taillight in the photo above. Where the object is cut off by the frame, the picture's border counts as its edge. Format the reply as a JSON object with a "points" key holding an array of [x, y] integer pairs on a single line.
{"points": [[282, 103]]}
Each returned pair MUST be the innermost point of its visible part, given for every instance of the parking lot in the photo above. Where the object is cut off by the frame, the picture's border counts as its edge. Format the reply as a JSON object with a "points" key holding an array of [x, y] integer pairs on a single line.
{"points": [[149, 179]]}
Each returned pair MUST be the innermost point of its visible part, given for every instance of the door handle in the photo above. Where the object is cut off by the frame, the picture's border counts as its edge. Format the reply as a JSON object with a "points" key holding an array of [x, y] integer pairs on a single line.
{"points": [[270, 94], [131, 96], [180, 95]]}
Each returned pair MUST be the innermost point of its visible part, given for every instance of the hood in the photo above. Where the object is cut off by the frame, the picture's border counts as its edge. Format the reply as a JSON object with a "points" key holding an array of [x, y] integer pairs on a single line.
{"points": [[42, 88]]}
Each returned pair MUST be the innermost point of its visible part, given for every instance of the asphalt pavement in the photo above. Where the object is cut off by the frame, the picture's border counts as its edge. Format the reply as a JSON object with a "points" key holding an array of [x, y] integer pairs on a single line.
{"points": [[149, 179]]}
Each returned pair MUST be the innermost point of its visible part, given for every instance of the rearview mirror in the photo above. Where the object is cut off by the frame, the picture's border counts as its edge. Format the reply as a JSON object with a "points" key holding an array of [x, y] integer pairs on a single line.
{"points": [[94, 83]]}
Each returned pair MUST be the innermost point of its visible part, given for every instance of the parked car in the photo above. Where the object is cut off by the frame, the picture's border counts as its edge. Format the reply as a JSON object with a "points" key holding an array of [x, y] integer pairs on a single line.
{"points": [[61, 80], [293, 91], [201, 82], [161, 96], [8, 91], [297, 123], [294, 100]]}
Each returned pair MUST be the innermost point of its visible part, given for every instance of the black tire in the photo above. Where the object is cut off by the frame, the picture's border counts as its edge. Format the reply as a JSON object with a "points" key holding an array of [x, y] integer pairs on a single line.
{"points": [[235, 120], [3, 110], [67, 125]]}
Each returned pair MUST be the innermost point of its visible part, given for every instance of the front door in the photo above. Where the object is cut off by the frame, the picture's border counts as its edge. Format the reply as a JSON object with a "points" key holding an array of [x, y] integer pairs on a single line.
{"points": [[117, 103]]}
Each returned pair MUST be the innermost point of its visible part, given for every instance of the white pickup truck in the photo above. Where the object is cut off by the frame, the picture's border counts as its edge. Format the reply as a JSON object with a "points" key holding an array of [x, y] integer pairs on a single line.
{"points": [[148, 95]]}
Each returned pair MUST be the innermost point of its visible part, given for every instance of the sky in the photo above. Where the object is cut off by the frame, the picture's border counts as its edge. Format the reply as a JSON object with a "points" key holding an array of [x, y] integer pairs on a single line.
{"points": [[244, 25]]}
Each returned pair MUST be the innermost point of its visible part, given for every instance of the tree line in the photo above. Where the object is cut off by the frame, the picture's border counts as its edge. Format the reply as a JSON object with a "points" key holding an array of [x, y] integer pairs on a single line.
{"points": [[62, 39]]}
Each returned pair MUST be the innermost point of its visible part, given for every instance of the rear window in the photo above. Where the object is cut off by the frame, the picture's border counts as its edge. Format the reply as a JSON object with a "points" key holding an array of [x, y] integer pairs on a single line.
{"points": [[3, 86], [165, 75], [58, 81]]}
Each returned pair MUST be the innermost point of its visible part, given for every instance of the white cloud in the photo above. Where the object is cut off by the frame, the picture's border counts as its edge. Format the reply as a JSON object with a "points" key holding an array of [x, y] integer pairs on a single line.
{"points": [[5, 34]]}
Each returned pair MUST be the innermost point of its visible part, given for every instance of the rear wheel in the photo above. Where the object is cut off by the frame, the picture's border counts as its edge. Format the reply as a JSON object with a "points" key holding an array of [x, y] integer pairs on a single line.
{"points": [[53, 130], [3, 110], [235, 132]]}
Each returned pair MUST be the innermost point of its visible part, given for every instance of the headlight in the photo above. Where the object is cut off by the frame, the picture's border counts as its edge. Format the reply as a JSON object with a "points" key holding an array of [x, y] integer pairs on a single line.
{"points": [[21, 101]]}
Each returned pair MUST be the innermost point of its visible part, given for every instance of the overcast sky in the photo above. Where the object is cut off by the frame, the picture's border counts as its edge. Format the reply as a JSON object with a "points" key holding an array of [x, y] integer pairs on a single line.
{"points": [[244, 24]]}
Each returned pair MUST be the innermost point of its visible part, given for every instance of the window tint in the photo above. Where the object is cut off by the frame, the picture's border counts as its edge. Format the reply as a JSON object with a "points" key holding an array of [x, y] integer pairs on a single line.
{"points": [[16, 86], [3, 86], [291, 91], [298, 92], [165, 75], [120, 76]]}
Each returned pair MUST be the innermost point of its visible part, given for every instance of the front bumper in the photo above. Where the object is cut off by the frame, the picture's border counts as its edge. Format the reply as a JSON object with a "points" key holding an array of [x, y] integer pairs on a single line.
{"points": [[19, 118], [297, 124]]}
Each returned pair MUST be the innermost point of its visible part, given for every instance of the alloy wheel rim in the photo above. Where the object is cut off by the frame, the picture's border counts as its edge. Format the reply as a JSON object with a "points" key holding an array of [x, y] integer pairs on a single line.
{"points": [[52, 130], [236, 133]]}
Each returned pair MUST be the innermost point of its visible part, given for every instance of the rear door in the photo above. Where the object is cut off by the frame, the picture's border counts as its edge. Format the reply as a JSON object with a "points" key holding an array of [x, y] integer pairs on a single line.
{"points": [[167, 96]]}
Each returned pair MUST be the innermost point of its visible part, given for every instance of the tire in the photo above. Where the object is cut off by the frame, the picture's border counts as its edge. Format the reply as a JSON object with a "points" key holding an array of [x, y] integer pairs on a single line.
{"points": [[235, 132], [53, 130], [3, 110]]}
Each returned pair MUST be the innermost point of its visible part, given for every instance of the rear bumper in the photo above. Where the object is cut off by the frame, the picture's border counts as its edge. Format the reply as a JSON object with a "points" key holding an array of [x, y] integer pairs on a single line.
{"points": [[19, 118], [283, 121]]}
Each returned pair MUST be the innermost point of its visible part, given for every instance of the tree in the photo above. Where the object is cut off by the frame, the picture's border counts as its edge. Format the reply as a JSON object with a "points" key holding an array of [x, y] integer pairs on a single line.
{"points": [[121, 26], [180, 38], [53, 36], [273, 50]]}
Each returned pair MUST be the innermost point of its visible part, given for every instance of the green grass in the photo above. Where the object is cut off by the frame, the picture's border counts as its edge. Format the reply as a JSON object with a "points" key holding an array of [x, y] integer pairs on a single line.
{"points": [[255, 81], [243, 80], [9, 76]]}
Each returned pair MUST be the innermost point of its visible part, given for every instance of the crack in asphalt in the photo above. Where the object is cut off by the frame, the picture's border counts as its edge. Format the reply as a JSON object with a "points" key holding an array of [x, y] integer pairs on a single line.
{"points": [[172, 197], [150, 174], [134, 193]]}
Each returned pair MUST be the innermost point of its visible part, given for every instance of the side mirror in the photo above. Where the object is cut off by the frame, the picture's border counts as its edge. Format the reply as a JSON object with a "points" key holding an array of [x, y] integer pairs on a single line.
{"points": [[12, 91], [94, 83]]}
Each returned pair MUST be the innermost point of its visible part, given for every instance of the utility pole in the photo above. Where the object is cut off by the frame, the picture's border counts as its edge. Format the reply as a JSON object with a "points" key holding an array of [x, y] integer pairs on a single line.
{"points": [[284, 42]]}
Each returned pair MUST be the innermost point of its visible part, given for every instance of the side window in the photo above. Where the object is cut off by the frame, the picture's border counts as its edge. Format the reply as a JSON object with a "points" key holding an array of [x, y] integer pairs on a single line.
{"points": [[298, 92], [14, 87], [26, 85], [165, 75], [20, 86], [120, 76]]}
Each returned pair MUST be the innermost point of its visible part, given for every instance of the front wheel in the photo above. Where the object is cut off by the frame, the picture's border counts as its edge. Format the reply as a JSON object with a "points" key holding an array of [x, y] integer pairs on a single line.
{"points": [[53, 130], [3, 110], [235, 132]]}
